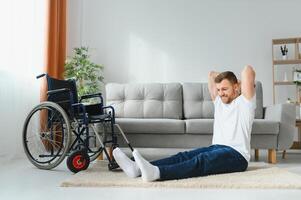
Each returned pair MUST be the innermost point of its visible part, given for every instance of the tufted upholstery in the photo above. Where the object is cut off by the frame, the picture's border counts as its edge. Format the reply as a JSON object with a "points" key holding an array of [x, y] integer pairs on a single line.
{"points": [[198, 104], [151, 100], [197, 101], [181, 116]]}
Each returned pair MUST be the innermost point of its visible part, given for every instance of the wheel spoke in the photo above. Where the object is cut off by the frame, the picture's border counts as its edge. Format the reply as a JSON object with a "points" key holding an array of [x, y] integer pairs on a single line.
{"points": [[46, 135]]}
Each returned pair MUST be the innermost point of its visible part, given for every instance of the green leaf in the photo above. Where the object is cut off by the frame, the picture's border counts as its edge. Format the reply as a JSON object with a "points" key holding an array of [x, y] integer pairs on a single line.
{"points": [[87, 74]]}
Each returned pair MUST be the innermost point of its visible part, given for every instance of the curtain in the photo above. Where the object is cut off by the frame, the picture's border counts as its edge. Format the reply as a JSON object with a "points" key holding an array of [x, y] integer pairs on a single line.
{"points": [[55, 42], [55, 57], [56, 38]]}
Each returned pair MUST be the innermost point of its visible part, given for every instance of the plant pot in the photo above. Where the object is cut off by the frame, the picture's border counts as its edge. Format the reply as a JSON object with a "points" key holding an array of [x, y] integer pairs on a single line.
{"points": [[284, 57]]}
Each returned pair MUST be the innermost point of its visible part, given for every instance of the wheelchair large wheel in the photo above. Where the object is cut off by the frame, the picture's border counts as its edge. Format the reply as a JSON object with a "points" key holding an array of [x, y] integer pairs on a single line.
{"points": [[46, 135]]}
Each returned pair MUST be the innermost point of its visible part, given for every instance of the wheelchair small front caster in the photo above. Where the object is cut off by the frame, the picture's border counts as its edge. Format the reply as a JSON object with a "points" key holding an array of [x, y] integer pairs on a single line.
{"points": [[78, 160]]}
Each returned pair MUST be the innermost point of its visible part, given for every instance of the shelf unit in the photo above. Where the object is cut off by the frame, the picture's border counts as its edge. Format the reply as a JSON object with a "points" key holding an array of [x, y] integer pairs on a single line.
{"points": [[293, 61], [284, 83]]}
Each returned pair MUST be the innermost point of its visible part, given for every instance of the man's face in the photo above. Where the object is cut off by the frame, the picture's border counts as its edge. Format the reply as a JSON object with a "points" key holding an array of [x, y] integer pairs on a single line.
{"points": [[227, 91]]}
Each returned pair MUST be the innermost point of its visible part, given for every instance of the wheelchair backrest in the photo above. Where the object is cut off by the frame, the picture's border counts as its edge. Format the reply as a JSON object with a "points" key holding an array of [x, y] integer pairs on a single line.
{"points": [[64, 99]]}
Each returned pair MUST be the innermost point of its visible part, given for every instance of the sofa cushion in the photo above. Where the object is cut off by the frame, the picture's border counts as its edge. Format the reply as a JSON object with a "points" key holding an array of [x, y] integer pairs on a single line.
{"points": [[199, 126], [205, 126], [197, 102], [263, 126], [160, 126], [150, 100]]}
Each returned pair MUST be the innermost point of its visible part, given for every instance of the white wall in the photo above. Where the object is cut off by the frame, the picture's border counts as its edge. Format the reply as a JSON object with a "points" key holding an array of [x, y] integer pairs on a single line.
{"points": [[182, 40], [139, 41], [22, 58]]}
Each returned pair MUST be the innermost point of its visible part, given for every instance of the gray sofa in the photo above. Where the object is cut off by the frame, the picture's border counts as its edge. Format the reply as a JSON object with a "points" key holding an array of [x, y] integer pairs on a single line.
{"points": [[175, 115]]}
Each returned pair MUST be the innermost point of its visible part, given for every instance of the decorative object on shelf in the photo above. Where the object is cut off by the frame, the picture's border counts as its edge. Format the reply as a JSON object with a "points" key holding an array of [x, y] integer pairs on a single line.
{"points": [[87, 74], [285, 77], [284, 52], [297, 77], [289, 100]]}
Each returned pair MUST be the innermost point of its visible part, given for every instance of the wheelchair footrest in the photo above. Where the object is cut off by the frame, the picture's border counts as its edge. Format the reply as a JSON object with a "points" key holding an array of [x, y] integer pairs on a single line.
{"points": [[113, 165]]}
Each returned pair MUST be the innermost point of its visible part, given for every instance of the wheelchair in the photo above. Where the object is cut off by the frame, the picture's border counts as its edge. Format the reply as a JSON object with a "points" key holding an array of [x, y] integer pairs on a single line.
{"points": [[65, 126]]}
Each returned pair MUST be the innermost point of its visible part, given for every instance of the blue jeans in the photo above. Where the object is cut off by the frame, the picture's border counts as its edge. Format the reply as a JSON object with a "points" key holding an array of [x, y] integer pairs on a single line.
{"points": [[214, 159]]}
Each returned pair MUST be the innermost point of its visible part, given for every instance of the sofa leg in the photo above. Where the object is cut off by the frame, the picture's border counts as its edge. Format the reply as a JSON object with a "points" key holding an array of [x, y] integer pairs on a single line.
{"points": [[283, 154], [272, 156], [109, 150], [100, 157], [256, 154]]}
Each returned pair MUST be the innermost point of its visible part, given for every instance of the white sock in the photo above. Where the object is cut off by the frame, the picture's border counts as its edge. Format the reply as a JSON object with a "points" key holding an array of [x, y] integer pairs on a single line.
{"points": [[149, 172], [129, 167]]}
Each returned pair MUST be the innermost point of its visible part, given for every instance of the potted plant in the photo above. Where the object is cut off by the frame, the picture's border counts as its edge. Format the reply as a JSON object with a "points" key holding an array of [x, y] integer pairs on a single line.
{"points": [[87, 74]]}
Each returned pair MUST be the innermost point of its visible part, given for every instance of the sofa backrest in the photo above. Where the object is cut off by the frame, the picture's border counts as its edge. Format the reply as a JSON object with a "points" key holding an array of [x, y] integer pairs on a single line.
{"points": [[150, 100], [167, 100], [198, 103]]}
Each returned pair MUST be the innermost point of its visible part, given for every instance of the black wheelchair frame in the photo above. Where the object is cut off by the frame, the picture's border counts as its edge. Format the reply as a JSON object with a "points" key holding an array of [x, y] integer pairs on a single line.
{"points": [[47, 131]]}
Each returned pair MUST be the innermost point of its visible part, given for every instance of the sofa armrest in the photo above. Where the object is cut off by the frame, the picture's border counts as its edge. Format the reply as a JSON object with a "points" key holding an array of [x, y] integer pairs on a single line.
{"points": [[286, 115]]}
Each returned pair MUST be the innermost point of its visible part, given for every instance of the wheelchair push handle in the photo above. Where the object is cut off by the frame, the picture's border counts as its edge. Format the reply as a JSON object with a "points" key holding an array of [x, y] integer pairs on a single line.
{"points": [[41, 75]]}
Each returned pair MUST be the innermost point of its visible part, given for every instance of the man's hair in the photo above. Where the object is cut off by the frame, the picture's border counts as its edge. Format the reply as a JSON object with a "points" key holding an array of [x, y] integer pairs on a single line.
{"points": [[230, 76]]}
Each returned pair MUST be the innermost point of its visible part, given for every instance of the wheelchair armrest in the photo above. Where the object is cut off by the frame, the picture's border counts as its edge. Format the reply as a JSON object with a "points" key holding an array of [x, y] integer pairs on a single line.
{"points": [[89, 96], [113, 112], [83, 109]]}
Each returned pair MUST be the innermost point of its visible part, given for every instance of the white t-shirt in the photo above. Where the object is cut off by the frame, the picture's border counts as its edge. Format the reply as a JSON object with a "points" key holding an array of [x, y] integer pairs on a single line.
{"points": [[233, 124]]}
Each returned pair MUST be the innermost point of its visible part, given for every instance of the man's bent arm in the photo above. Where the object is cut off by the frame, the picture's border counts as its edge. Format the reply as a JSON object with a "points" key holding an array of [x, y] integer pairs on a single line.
{"points": [[211, 84], [248, 82]]}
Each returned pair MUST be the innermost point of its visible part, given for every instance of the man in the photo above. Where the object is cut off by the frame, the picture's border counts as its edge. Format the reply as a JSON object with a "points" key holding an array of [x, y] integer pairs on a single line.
{"points": [[235, 104]]}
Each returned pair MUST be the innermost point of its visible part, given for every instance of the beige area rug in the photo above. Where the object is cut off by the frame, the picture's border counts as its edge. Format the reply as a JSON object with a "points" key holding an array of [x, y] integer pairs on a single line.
{"points": [[258, 175]]}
